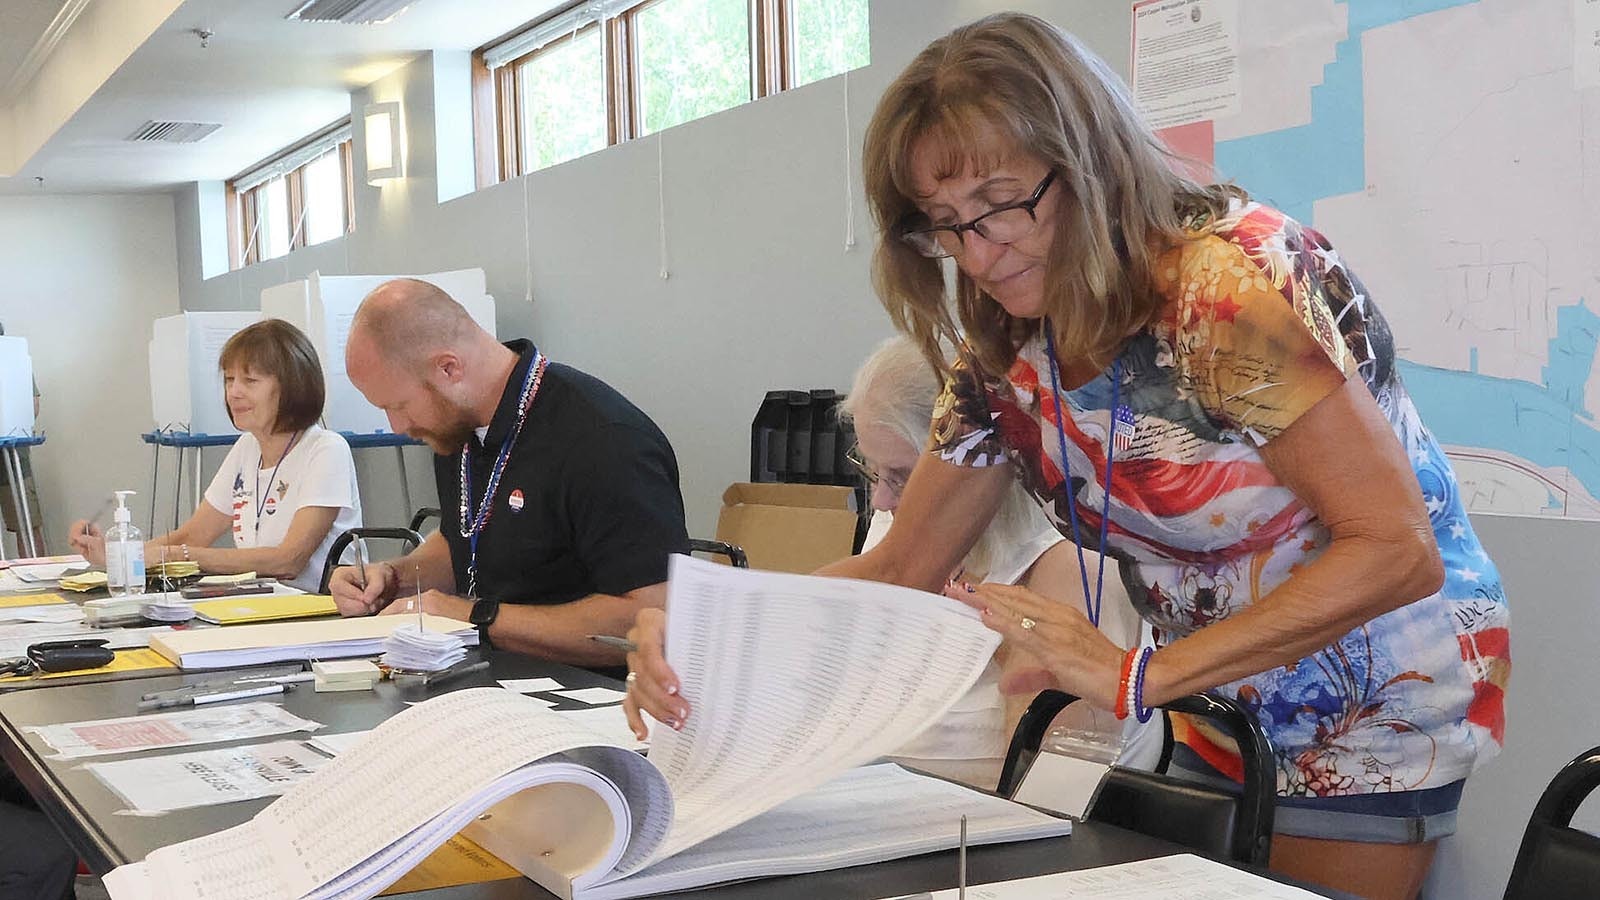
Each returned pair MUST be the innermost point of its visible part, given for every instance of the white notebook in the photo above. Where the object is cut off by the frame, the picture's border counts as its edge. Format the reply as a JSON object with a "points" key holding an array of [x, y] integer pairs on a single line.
{"points": [[796, 681]]}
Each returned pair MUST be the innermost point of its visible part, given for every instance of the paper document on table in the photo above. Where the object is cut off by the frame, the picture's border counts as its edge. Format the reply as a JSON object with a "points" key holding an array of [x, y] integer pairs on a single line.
{"points": [[46, 572], [813, 675], [593, 696], [1183, 877], [531, 685], [15, 638], [27, 600], [842, 824], [610, 721], [360, 822], [51, 613], [202, 725], [335, 744], [583, 816], [207, 777]]}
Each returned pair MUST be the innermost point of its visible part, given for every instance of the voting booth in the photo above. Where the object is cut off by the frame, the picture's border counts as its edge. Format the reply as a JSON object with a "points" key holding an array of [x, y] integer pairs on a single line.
{"points": [[323, 306], [185, 381], [16, 387]]}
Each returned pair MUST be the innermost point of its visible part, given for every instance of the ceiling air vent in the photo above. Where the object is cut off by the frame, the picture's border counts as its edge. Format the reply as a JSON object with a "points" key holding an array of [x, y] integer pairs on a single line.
{"points": [[173, 132], [349, 12]]}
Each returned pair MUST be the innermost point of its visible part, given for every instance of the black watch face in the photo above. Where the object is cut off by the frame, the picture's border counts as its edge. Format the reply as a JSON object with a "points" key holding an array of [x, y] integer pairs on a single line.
{"points": [[483, 612]]}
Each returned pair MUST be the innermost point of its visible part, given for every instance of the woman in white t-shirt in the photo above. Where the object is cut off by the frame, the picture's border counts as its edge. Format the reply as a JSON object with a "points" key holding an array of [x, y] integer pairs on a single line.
{"points": [[891, 406], [286, 490]]}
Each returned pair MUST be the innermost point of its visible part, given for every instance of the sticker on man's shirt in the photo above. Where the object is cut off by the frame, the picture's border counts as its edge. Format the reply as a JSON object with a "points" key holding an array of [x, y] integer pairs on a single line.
{"points": [[515, 501], [271, 506]]}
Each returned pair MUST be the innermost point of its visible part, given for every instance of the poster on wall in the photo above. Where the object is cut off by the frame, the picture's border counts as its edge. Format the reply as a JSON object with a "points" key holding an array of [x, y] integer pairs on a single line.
{"points": [[1453, 177], [1186, 60]]}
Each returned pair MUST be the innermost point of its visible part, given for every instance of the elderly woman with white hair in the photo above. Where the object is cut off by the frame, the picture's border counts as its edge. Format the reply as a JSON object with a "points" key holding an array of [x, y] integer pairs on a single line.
{"points": [[891, 405]]}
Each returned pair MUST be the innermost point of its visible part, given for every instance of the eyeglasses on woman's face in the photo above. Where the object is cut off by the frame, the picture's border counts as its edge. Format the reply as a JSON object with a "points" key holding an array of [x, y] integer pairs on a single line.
{"points": [[1001, 225], [894, 481]]}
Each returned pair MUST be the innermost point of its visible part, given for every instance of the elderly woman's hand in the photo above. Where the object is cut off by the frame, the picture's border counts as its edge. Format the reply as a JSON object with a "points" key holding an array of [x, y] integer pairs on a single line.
{"points": [[652, 685], [1072, 655]]}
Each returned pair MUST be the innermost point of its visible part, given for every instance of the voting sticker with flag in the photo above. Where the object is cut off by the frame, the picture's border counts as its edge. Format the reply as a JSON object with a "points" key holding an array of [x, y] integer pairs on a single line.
{"points": [[1122, 428]]}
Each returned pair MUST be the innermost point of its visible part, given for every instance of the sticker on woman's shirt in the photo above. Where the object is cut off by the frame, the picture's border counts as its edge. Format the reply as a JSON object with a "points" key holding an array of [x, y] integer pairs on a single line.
{"points": [[515, 501], [1123, 429]]}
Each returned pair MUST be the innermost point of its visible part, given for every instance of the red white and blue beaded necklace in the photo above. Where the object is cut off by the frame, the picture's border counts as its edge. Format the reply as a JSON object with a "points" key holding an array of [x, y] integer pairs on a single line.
{"points": [[472, 523]]}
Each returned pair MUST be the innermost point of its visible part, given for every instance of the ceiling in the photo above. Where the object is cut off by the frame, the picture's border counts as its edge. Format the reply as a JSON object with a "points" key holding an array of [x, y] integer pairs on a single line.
{"points": [[24, 25], [269, 82]]}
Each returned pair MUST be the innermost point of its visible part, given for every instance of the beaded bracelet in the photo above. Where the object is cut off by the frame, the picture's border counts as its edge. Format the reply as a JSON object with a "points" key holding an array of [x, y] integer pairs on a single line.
{"points": [[1120, 707], [1138, 709]]}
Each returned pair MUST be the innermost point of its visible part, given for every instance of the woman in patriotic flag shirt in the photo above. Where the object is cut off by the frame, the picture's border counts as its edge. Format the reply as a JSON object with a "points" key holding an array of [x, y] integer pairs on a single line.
{"points": [[1199, 387]]}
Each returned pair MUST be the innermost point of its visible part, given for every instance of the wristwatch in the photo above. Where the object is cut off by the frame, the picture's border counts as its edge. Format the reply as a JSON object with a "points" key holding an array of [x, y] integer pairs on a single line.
{"points": [[484, 612]]}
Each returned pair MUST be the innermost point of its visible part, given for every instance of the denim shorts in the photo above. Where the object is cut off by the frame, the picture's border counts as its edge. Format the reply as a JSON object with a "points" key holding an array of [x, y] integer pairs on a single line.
{"points": [[1393, 817]]}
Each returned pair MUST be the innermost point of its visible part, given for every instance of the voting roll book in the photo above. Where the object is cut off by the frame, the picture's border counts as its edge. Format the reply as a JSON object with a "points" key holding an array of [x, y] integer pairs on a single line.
{"points": [[797, 683]]}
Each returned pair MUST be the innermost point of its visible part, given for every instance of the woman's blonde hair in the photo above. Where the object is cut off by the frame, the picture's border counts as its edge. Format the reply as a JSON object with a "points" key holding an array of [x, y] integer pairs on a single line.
{"points": [[1122, 200], [895, 389]]}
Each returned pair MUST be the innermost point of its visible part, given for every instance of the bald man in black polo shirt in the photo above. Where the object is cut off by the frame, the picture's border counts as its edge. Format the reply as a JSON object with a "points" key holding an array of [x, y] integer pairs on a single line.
{"points": [[560, 498]]}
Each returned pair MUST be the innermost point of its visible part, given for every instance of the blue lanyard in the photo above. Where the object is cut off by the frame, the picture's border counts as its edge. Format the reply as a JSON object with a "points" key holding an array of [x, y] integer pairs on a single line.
{"points": [[271, 479], [1091, 607]]}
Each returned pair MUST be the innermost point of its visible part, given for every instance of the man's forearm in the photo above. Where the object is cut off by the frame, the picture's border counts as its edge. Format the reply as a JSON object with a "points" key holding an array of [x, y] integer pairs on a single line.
{"points": [[561, 632]]}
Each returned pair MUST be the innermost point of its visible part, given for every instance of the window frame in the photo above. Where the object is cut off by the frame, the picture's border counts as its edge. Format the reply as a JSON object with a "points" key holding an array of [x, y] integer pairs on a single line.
{"points": [[244, 204], [497, 91]]}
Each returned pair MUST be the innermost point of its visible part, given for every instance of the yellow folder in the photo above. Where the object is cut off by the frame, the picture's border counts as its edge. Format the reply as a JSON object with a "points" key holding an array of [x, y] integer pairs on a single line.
{"points": [[269, 608]]}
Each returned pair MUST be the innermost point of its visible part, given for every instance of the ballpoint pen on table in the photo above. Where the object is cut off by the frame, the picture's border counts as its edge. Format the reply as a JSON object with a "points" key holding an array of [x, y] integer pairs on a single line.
{"points": [[193, 699], [451, 674], [622, 644]]}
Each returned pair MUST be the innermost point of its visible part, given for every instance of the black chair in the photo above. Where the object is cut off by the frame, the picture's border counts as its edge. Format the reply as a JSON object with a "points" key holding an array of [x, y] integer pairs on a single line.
{"points": [[342, 543], [1232, 824], [734, 554], [1557, 861], [423, 515]]}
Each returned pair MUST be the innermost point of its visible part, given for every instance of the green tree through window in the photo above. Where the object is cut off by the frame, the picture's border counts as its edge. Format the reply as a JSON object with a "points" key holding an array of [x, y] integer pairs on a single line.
{"points": [[830, 37], [563, 101], [694, 60]]}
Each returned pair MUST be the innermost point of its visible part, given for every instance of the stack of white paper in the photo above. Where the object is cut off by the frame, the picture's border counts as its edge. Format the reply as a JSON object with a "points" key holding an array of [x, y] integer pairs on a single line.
{"points": [[413, 649], [252, 645]]}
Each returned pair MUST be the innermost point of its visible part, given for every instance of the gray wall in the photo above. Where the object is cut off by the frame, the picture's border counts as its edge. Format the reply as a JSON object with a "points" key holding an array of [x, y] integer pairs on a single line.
{"points": [[763, 294], [83, 278]]}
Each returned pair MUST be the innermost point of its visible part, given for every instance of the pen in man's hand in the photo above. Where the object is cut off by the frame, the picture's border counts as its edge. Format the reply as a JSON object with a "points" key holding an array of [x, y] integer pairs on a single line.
{"points": [[361, 555], [622, 644]]}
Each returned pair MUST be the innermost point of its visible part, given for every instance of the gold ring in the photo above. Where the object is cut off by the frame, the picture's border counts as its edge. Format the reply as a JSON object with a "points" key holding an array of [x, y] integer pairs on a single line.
{"points": [[632, 679], [1028, 624]]}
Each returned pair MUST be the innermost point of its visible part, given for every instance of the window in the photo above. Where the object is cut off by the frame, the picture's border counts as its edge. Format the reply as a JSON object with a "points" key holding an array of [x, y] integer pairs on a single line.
{"points": [[694, 60], [604, 71], [830, 36], [295, 199], [563, 100]]}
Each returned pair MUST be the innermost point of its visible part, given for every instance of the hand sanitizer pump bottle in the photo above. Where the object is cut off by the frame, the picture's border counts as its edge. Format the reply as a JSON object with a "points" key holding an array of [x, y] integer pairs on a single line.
{"points": [[124, 551]]}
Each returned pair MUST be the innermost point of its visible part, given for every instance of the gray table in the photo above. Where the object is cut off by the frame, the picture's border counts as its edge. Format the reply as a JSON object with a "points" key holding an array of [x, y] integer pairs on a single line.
{"points": [[84, 810]]}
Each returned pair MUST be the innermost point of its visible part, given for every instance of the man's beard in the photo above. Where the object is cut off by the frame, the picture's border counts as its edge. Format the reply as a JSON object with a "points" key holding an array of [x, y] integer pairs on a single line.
{"points": [[453, 434]]}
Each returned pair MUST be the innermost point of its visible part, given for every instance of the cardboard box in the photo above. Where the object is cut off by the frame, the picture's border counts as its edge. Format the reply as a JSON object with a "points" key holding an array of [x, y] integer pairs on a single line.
{"points": [[789, 527]]}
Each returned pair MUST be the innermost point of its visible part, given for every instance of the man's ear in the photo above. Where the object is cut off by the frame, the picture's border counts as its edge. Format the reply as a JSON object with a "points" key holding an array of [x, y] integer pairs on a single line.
{"points": [[448, 366]]}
